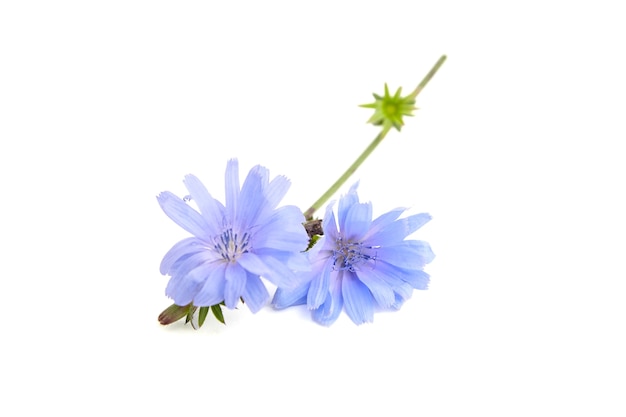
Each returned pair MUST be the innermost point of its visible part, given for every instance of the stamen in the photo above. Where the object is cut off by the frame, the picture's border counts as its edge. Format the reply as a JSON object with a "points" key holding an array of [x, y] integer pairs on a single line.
{"points": [[348, 255], [229, 246]]}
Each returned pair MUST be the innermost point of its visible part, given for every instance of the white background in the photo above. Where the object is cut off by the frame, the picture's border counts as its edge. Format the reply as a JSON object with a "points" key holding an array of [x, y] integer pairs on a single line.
{"points": [[516, 151]]}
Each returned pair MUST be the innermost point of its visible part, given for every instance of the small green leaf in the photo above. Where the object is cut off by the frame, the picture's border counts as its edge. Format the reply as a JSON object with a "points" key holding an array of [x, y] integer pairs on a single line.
{"points": [[192, 309], [217, 312], [202, 315], [313, 241]]}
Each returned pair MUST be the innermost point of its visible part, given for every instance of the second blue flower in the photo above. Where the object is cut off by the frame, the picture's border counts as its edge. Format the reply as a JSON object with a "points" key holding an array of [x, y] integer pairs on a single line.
{"points": [[361, 264]]}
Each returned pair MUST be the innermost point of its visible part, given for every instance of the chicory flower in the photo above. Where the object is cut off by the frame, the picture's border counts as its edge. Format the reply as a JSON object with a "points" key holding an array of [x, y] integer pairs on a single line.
{"points": [[233, 244], [360, 264]]}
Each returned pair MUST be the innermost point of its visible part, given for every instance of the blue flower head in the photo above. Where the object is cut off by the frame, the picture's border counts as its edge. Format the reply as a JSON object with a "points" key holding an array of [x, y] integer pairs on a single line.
{"points": [[235, 244], [361, 264]]}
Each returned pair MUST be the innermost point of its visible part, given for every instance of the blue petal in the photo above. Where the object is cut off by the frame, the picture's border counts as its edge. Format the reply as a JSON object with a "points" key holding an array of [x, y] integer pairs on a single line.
{"points": [[272, 193], [188, 246], [329, 224], [329, 311], [320, 284], [309, 265], [276, 270], [183, 287], [289, 262], [212, 292], [385, 219], [235, 283], [252, 263], [345, 203], [252, 197], [255, 294], [358, 300], [403, 293], [357, 222], [181, 290], [282, 230], [284, 297], [410, 254], [212, 209], [314, 253], [232, 188], [276, 191], [416, 221], [380, 290], [389, 274], [394, 233], [183, 215], [186, 264], [418, 279], [297, 262], [177, 264]]}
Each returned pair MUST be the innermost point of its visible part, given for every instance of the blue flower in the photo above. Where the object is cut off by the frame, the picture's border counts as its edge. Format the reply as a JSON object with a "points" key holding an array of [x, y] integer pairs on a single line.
{"points": [[233, 245], [361, 264]]}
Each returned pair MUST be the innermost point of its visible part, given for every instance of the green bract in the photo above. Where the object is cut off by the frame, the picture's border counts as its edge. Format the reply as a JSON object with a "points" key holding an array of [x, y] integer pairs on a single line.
{"points": [[389, 110]]}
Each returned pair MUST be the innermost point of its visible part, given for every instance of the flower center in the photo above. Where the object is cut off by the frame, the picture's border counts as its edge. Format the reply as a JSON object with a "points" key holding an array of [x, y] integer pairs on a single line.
{"points": [[348, 255], [231, 245], [391, 110]]}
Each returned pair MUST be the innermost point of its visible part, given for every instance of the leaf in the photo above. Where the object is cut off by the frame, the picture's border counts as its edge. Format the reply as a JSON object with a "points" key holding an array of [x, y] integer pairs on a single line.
{"points": [[192, 309], [313, 241], [202, 315], [217, 312]]}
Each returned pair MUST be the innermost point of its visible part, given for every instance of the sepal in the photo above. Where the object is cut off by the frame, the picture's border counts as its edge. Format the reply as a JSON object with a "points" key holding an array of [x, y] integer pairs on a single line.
{"points": [[389, 110]]}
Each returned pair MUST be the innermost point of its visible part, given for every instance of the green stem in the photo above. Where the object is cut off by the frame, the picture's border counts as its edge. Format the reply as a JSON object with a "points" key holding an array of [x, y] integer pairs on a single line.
{"points": [[428, 76], [333, 188]]}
